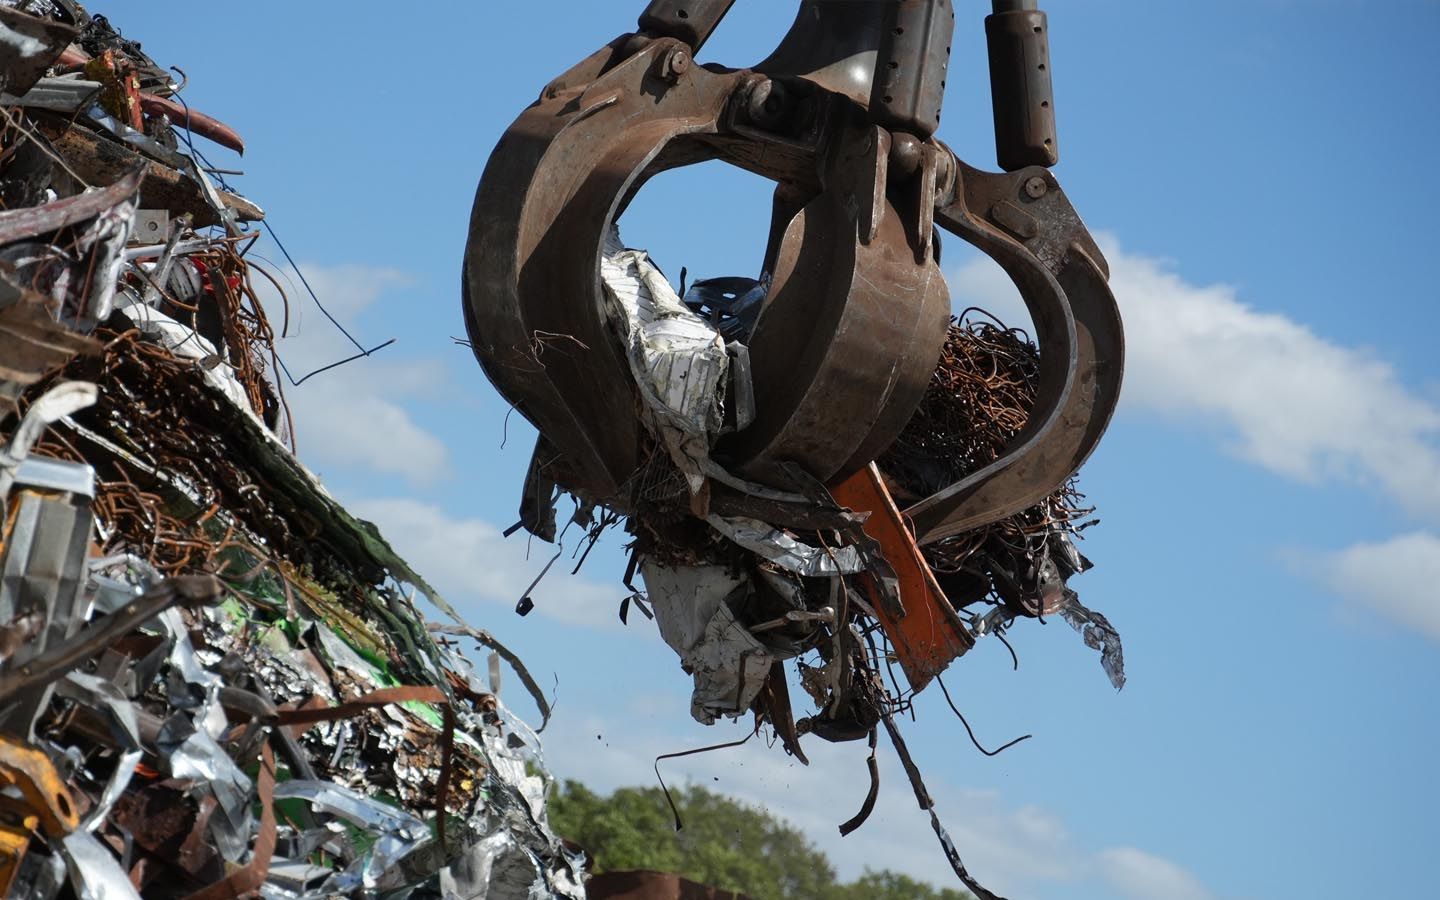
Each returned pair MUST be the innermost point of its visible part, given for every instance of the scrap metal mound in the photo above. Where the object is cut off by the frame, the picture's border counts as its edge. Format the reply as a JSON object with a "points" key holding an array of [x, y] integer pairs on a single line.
{"points": [[214, 681]]}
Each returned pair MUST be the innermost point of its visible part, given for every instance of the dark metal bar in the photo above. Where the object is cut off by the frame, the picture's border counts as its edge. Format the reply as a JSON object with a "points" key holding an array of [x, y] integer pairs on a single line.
{"points": [[1018, 39], [910, 67], [691, 21]]}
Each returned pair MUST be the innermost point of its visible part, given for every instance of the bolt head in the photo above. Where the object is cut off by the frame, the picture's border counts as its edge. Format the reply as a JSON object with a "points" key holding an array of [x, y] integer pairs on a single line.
{"points": [[1035, 187], [673, 64]]}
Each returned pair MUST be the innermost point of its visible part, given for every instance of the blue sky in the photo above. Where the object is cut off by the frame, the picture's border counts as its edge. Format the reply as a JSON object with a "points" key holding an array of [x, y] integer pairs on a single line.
{"points": [[1270, 490]]}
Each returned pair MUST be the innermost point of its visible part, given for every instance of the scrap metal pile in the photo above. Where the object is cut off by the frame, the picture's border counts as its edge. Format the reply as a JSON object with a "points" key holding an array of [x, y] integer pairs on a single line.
{"points": [[818, 464], [213, 679], [737, 596]]}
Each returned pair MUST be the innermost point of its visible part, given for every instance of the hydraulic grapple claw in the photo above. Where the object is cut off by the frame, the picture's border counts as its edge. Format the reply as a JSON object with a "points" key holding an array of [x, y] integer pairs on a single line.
{"points": [[855, 315]]}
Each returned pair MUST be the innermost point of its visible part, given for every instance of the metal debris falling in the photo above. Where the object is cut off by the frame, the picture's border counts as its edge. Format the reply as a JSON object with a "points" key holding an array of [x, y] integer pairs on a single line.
{"points": [[839, 586], [214, 681]]}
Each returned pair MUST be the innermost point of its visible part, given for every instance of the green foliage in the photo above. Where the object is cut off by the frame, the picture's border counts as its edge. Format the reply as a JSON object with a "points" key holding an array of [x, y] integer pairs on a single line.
{"points": [[724, 844], [893, 886]]}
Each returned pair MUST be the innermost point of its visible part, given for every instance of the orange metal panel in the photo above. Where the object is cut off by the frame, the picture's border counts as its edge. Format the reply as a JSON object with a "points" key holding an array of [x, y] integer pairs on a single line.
{"points": [[929, 636]]}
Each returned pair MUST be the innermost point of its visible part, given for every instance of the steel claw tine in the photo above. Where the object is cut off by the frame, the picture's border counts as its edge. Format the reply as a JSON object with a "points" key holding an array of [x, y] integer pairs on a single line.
{"points": [[559, 176], [1025, 223]]}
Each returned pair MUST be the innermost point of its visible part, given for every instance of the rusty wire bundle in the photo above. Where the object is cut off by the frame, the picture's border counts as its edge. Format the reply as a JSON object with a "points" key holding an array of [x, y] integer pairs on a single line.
{"points": [[978, 400], [144, 392], [247, 339]]}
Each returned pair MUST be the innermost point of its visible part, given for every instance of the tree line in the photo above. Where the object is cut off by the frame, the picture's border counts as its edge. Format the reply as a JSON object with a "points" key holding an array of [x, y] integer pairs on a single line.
{"points": [[724, 844]]}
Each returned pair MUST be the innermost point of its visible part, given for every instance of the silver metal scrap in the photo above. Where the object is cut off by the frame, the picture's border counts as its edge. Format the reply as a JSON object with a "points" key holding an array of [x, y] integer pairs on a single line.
{"points": [[94, 873], [785, 551], [397, 833], [104, 696]]}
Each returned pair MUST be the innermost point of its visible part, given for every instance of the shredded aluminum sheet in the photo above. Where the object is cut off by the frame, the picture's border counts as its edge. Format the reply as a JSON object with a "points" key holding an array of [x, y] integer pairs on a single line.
{"points": [[195, 756], [678, 359], [107, 237], [97, 693], [94, 872], [516, 822], [1098, 634], [396, 833], [728, 663], [496, 868]]}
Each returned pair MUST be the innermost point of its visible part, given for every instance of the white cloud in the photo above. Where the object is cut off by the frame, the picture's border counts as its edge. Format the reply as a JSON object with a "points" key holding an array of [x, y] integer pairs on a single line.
{"points": [[470, 559], [1394, 578], [1288, 399], [359, 420], [354, 416], [1142, 876], [346, 290]]}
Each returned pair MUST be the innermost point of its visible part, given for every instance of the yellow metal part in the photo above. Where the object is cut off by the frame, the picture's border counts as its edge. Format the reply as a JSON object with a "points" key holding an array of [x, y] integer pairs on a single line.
{"points": [[14, 841], [45, 793]]}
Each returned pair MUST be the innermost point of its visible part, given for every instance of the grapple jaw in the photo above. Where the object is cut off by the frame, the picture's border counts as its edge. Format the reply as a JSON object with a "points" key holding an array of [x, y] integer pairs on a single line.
{"points": [[857, 309]]}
